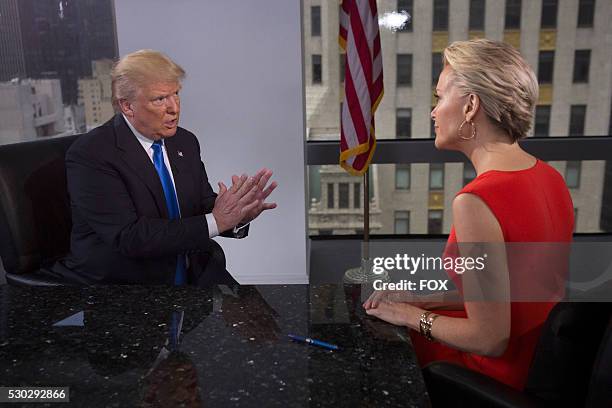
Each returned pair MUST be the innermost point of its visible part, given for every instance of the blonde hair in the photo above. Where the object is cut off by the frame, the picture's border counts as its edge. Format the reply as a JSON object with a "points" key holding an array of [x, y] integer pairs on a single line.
{"points": [[140, 68], [502, 79]]}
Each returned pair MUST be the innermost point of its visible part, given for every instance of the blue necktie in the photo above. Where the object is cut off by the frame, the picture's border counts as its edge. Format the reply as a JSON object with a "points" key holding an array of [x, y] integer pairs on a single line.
{"points": [[171, 203]]}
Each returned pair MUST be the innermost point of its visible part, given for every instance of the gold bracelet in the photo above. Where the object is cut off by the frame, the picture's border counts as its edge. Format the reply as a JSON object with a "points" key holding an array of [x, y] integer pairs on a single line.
{"points": [[423, 323], [430, 321]]}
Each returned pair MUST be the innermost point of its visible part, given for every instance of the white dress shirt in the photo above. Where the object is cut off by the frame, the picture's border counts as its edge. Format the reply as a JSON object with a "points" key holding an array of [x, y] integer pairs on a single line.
{"points": [[147, 145]]}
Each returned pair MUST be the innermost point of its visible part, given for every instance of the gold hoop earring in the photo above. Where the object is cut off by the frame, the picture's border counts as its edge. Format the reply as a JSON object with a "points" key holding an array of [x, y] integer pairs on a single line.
{"points": [[473, 130]]}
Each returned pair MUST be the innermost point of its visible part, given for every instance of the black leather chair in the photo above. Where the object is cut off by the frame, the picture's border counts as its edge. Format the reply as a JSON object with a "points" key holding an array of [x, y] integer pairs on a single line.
{"points": [[35, 219], [572, 366]]}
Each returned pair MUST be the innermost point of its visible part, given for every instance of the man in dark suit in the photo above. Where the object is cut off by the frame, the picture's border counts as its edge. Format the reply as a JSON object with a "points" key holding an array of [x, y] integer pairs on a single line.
{"points": [[143, 210]]}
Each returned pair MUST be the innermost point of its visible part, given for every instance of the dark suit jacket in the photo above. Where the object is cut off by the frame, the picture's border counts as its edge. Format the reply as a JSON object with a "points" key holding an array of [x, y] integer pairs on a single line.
{"points": [[121, 232]]}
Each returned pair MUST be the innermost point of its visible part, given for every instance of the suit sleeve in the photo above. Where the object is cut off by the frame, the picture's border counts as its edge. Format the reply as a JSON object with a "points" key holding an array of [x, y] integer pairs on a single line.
{"points": [[101, 198]]}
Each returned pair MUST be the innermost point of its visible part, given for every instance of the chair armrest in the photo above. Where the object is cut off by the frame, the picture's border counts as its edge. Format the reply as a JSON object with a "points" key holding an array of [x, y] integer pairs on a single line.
{"points": [[452, 385]]}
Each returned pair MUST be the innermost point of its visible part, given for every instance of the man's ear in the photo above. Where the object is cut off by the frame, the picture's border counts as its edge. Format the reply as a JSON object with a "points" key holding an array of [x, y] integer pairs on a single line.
{"points": [[471, 107], [126, 108]]}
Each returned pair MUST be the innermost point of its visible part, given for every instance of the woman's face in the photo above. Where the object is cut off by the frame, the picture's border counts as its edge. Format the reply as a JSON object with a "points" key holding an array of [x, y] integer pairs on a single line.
{"points": [[448, 112]]}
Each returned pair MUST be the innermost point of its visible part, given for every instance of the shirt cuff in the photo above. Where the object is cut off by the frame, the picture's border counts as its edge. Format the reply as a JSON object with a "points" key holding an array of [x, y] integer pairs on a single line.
{"points": [[238, 228], [213, 231]]}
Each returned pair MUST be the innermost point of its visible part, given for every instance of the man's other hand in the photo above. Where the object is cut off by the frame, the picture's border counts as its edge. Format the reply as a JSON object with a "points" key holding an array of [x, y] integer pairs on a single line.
{"points": [[234, 204], [263, 191]]}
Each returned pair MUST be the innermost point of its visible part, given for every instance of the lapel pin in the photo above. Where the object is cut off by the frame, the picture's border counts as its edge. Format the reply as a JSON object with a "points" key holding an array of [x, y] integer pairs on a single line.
{"points": [[180, 153]]}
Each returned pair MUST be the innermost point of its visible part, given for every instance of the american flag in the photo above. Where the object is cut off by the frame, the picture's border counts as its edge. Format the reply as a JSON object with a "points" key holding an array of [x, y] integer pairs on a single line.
{"points": [[363, 83]]}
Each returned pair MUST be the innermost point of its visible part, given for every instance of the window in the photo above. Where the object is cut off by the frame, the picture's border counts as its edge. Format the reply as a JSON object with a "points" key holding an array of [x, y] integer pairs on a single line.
{"points": [[330, 195], [572, 174], [436, 176], [469, 173], [575, 218], [403, 123], [342, 66], [436, 67], [440, 15], [586, 11], [317, 76], [404, 69], [407, 6], [432, 126], [343, 195], [315, 21], [402, 222], [577, 114], [545, 67], [357, 195], [434, 222], [542, 121], [549, 14], [402, 176], [582, 61], [513, 15], [477, 14]]}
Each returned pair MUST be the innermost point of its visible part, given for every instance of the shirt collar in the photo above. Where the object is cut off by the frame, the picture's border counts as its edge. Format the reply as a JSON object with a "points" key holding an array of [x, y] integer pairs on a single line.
{"points": [[144, 141]]}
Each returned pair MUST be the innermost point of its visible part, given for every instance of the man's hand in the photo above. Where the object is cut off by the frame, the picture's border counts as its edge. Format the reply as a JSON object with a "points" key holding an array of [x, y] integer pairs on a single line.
{"points": [[232, 205], [261, 180]]}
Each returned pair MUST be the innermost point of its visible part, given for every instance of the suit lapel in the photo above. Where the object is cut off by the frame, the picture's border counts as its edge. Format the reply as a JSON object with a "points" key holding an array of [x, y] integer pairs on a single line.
{"points": [[137, 159], [176, 156]]}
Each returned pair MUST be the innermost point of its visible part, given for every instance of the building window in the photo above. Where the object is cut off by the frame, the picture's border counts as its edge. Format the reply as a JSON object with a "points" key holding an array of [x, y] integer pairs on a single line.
{"points": [[440, 15], [546, 64], [330, 195], [477, 14], [317, 76], [577, 114], [403, 123], [469, 173], [402, 176], [315, 21], [549, 14], [586, 11], [342, 67], [357, 195], [513, 15], [572, 174], [575, 218], [432, 126], [436, 67], [436, 176], [407, 6], [343, 195], [434, 222], [582, 62], [542, 121], [402, 222], [404, 69]]}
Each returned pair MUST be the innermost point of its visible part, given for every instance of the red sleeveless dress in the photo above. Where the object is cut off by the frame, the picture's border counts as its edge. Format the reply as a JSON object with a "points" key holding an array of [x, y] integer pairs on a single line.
{"points": [[531, 205]]}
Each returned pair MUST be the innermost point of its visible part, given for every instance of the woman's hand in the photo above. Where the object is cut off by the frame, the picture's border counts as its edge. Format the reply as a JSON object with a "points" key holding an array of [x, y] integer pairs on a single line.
{"points": [[397, 313]]}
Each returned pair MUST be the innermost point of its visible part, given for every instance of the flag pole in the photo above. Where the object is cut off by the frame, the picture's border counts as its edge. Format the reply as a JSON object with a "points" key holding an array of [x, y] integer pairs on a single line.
{"points": [[366, 215]]}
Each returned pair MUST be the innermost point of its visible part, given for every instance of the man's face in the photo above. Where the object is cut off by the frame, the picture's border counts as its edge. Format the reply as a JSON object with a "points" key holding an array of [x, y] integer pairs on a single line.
{"points": [[155, 110]]}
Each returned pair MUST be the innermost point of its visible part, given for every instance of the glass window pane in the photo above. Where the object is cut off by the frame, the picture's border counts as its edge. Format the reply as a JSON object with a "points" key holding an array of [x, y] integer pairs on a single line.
{"points": [[330, 195], [315, 19], [404, 69], [545, 67], [577, 114], [406, 6], [357, 195], [586, 11], [572, 174], [436, 67], [513, 14], [434, 222], [402, 176], [542, 121], [317, 69], [436, 176], [343, 195], [440, 15], [549, 14], [477, 14], [582, 62], [404, 123], [402, 222]]}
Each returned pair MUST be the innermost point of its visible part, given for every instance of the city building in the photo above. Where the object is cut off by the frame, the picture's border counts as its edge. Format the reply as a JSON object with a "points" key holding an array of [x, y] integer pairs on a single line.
{"points": [[95, 94], [30, 108], [567, 43]]}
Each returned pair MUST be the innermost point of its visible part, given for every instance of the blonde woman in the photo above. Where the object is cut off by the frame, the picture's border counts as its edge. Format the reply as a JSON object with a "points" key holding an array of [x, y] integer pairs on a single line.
{"points": [[486, 99]]}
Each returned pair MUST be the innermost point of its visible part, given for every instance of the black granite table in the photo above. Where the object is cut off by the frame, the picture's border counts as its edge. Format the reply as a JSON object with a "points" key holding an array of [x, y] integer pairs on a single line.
{"points": [[121, 346]]}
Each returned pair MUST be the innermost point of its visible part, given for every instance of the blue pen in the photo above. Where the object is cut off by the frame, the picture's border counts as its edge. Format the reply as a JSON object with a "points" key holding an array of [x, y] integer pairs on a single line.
{"points": [[313, 342]]}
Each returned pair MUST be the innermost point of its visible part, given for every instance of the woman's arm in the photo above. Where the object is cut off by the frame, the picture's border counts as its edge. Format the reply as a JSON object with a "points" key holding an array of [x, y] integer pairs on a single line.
{"points": [[486, 329]]}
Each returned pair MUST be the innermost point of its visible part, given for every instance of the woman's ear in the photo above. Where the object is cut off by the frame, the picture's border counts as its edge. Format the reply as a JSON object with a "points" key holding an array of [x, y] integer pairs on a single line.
{"points": [[471, 107]]}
